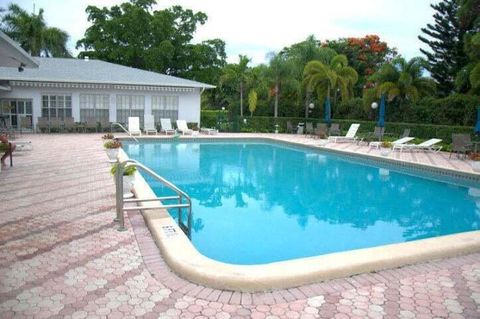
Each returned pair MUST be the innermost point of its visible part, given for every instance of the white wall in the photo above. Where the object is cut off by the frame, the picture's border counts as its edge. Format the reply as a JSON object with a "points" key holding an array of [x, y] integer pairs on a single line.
{"points": [[189, 103], [189, 107]]}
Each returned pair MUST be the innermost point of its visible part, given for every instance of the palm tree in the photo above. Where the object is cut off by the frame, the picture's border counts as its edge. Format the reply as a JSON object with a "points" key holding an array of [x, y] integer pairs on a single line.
{"points": [[402, 80], [31, 31], [468, 78], [328, 79], [280, 72], [300, 54], [237, 74]]}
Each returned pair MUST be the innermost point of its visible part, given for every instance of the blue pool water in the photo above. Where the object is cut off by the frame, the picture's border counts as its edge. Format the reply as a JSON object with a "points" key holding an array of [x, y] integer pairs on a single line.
{"points": [[258, 202]]}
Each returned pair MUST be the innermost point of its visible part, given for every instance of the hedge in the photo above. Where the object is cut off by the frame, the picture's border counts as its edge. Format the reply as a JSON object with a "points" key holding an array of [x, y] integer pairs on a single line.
{"points": [[265, 124]]}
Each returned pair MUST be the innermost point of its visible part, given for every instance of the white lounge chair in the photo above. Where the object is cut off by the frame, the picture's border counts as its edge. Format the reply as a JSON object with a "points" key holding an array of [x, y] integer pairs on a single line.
{"points": [[149, 124], [134, 126], [209, 131], [429, 145], [402, 140], [166, 125], [22, 145], [183, 128], [349, 137]]}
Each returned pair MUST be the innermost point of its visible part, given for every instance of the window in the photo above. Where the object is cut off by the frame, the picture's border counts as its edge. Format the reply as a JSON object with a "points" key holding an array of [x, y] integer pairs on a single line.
{"points": [[94, 106], [165, 107], [56, 106], [130, 105], [16, 113]]}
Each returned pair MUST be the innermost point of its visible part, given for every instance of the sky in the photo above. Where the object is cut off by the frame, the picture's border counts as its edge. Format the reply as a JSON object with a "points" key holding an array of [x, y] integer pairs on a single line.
{"points": [[257, 27]]}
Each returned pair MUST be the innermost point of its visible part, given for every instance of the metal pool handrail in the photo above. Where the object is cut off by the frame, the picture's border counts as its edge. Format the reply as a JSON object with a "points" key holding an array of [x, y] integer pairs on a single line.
{"points": [[179, 197], [124, 129]]}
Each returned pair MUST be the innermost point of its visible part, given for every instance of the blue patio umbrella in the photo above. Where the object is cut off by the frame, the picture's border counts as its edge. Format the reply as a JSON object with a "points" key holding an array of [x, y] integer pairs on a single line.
{"points": [[328, 111], [381, 112], [477, 126]]}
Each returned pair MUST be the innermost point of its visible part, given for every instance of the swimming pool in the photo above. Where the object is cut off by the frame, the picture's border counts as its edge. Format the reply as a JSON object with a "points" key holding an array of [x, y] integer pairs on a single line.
{"points": [[259, 202]]}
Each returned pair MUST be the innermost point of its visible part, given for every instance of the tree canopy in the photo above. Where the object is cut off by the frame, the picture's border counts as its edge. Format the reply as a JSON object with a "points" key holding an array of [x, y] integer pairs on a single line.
{"points": [[402, 80], [445, 40], [33, 34], [133, 34]]}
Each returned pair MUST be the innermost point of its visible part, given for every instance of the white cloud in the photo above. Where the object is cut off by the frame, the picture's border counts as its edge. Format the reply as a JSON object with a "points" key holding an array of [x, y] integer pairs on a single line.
{"points": [[255, 27]]}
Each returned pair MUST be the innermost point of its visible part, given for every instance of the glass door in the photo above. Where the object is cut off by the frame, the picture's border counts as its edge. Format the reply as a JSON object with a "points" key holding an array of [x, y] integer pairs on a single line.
{"points": [[17, 113]]}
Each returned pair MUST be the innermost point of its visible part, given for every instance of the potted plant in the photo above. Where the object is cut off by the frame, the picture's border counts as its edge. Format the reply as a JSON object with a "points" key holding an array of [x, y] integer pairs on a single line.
{"points": [[108, 136], [112, 146], [475, 158], [128, 177]]}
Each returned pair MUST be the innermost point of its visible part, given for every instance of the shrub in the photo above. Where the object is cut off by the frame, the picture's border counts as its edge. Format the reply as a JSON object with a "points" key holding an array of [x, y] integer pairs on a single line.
{"points": [[112, 144], [108, 136], [128, 171], [474, 156]]}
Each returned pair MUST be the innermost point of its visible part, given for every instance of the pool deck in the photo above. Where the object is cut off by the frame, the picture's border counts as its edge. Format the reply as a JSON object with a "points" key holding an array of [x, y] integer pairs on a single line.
{"points": [[61, 256]]}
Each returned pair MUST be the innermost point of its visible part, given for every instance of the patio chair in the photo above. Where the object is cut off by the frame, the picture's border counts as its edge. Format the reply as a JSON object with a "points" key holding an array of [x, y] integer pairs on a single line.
{"points": [[461, 143], [166, 126], [208, 131], [406, 133], [309, 128], [334, 129], [105, 126], [378, 133], [25, 123], [55, 124], [290, 128], [134, 125], [149, 124], [43, 125], [430, 145], [183, 128], [321, 131], [349, 137], [91, 124], [69, 124], [402, 140]]}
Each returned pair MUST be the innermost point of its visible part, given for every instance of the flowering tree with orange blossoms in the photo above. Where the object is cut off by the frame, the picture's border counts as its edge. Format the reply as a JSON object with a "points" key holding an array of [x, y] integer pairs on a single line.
{"points": [[365, 55]]}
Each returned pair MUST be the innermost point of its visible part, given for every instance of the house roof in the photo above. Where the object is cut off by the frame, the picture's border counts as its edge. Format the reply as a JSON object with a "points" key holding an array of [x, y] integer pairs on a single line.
{"points": [[94, 71], [12, 55]]}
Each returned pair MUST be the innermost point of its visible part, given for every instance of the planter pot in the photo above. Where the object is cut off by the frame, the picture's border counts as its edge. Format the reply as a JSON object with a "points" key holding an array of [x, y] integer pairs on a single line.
{"points": [[476, 166], [128, 182], [112, 153], [385, 152]]}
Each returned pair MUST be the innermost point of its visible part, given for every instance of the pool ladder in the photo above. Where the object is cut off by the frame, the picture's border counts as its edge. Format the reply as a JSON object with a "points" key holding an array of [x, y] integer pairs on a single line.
{"points": [[124, 129], [183, 200]]}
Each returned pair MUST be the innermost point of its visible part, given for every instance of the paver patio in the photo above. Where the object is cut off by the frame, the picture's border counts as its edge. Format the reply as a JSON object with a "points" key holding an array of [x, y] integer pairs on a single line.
{"points": [[61, 256]]}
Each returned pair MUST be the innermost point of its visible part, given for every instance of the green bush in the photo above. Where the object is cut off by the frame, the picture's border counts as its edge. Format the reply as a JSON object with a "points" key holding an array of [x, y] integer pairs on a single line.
{"points": [[112, 144], [128, 171]]}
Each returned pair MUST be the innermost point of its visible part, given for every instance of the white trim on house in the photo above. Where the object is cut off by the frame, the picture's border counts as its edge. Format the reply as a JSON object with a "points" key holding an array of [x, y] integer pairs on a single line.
{"points": [[98, 86]]}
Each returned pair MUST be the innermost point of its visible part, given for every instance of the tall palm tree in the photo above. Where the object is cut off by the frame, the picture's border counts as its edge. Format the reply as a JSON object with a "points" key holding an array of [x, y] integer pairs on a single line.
{"points": [[31, 31], [402, 80], [280, 72], [327, 79], [300, 54], [468, 78], [237, 74]]}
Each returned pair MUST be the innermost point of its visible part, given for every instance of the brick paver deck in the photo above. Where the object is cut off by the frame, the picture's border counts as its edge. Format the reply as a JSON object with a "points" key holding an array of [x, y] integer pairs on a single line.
{"points": [[61, 256]]}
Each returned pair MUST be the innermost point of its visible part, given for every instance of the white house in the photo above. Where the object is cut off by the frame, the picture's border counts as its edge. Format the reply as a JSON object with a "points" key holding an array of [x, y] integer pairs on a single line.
{"points": [[61, 88]]}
